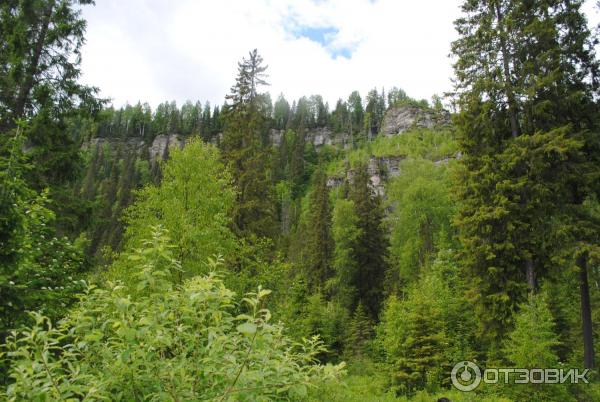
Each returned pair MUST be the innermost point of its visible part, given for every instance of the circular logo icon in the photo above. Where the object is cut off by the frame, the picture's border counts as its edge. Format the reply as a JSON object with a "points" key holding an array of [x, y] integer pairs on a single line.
{"points": [[466, 376]]}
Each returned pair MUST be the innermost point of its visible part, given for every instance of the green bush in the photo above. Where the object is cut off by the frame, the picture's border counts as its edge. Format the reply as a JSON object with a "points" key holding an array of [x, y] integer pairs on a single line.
{"points": [[166, 342]]}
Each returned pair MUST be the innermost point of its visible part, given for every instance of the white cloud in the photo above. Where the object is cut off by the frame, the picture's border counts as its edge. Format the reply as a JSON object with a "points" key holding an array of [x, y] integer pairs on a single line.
{"points": [[188, 49]]}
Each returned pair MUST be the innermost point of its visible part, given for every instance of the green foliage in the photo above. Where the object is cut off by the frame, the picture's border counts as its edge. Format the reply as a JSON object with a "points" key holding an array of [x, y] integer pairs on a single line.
{"points": [[371, 244], [114, 172], [168, 343], [38, 269], [426, 332], [418, 143], [532, 344], [367, 387], [345, 233], [423, 210], [253, 263], [308, 315], [358, 334], [194, 202], [416, 348], [247, 153], [320, 242]]}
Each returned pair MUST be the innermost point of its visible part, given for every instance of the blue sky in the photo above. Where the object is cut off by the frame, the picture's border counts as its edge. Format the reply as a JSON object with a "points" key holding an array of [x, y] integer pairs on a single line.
{"points": [[324, 36], [153, 50]]}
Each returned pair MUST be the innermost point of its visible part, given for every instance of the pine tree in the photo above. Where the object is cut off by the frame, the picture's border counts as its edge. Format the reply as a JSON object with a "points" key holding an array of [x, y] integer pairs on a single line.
{"points": [[246, 152], [297, 172], [340, 117]]}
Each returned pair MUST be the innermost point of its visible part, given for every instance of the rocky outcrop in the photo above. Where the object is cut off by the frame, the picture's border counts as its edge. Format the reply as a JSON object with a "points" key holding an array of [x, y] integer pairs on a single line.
{"points": [[379, 170], [317, 136], [136, 144], [402, 118], [159, 149], [161, 144]]}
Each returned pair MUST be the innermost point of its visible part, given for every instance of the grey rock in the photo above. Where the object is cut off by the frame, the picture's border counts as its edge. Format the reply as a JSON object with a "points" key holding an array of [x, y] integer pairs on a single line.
{"points": [[161, 144], [379, 169], [402, 118], [318, 136]]}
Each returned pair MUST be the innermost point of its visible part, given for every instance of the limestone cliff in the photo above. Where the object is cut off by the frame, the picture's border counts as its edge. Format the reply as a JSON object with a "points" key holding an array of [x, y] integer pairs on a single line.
{"points": [[402, 118]]}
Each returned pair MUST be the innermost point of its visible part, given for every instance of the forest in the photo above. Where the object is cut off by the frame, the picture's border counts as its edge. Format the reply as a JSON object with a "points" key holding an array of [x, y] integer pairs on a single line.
{"points": [[268, 249]]}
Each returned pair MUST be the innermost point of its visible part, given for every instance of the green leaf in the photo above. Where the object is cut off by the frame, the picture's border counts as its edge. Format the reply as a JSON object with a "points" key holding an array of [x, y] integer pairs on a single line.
{"points": [[247, 328], [298, 391]]}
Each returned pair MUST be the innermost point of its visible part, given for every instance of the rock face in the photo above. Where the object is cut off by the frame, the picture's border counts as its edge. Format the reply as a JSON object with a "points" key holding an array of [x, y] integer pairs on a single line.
{"points": [[159, 149], [136, 144], [161, 144], [318, 136], [402, 118], [378, 169]]}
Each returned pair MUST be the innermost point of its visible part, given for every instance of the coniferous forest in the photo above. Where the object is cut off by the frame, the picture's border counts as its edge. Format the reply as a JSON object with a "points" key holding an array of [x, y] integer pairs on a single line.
{"points": [[288, 249]]}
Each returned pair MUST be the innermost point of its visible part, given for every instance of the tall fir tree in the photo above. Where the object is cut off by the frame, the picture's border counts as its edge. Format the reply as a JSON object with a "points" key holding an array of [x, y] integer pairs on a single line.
{"points": [[345, 232], [246, 151], [526, 79], [320, 243], [39, 68], [371, 244]]}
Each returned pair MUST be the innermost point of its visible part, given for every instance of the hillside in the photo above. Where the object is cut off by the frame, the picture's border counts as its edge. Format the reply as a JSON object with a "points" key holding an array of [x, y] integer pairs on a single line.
{"points": [[120, 160]]}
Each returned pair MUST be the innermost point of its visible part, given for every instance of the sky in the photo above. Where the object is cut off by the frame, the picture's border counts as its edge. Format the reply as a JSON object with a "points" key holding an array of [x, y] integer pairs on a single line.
{"points": [[157, 50]]}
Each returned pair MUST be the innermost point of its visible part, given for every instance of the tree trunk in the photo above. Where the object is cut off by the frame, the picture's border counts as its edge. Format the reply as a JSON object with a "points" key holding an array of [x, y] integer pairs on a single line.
{"points": [[510, 95], [32, 68], [586, 312], [530, 270]]}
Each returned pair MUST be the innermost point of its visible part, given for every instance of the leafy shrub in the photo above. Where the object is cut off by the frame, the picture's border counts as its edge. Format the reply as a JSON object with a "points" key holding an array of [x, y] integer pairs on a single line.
{"points": [[39, 270], [163, 342]]}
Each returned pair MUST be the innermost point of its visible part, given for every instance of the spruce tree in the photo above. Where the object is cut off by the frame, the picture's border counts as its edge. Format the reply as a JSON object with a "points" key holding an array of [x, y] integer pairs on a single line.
{"points": [[297, 171], [526, 78], [423, 349], [345, 233], [320, 243], [281, 113], [246, 152], [39, 59], [532, 344], [371, 244], [359, 334], [356, 117], [40, 55]]}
